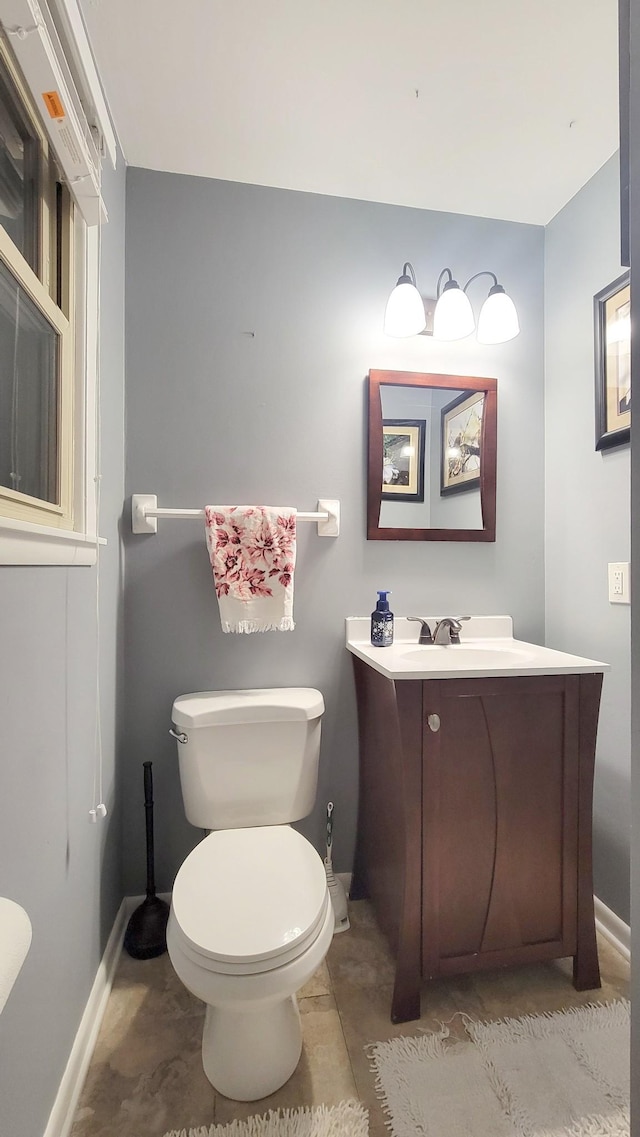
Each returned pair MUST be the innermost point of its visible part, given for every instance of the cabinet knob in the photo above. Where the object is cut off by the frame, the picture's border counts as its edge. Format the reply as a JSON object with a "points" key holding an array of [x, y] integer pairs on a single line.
{"points": [[434, 722]]}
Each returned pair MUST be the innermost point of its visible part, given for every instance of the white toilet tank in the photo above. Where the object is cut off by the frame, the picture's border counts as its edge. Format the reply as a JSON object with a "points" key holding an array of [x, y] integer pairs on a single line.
{"points": [[248, 757]]}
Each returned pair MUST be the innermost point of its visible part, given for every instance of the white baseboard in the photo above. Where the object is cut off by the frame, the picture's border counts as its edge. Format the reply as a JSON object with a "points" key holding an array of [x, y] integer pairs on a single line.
{"points": [[70, 1088], [613, 928], [64, 1107]]}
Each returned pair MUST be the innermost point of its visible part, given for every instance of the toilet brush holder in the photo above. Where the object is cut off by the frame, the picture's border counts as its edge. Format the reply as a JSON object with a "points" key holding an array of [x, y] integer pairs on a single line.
{"points": [[146, 934], [338, 899], [337, 893]]}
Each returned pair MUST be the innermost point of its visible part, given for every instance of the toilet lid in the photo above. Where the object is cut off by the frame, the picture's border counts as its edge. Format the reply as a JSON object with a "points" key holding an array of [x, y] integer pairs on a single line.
{"points": [[246, 895]]}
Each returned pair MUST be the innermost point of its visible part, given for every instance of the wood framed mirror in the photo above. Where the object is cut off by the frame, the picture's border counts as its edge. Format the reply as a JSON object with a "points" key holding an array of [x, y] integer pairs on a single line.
{"points": [[432, 457]]}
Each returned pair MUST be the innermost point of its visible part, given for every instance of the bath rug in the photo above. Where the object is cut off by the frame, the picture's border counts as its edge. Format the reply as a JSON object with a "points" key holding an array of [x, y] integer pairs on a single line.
{"points": [[564, 1074], [252, 549], [348, 1119]]}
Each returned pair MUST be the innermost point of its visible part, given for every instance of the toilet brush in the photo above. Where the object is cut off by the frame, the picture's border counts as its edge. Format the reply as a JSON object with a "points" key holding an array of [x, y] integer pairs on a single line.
{"points": [[337, 893], [146, 934]]}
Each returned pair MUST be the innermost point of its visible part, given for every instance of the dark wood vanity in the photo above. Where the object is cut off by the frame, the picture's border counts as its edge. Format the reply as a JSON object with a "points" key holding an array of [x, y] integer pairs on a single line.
{"points": [[474, 834]]}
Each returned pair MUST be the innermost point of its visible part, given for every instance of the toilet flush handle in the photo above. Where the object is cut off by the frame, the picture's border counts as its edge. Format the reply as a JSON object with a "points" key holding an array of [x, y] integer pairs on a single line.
{"points": [[181, 737]]}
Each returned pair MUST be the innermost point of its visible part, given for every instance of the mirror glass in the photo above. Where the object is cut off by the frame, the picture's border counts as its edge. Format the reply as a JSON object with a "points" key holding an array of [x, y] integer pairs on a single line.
{"points": [[431, 457]]}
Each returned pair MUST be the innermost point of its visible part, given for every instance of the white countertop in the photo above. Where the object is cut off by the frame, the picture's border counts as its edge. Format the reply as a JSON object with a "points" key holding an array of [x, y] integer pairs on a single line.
{"points": [[486, 649]]}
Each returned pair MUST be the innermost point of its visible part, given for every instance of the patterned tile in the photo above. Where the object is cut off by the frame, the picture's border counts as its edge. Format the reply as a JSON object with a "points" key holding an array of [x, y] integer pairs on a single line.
{"points": [[361, 956], [146, 1074], [319, 984]]}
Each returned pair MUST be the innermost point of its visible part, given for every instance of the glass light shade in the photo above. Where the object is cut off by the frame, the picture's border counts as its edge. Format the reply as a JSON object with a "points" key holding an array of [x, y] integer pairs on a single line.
{"points": [[404, 314], [453, 316], [498, 319]]}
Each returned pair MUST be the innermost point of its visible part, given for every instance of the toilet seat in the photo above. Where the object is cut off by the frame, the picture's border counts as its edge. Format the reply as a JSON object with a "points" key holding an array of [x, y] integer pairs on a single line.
{"points": [[249, 900]]}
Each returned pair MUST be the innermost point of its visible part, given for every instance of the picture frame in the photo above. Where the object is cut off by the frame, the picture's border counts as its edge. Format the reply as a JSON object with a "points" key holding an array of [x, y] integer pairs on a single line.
{"points": [[461, 434], [403, 448], [612, 327]]}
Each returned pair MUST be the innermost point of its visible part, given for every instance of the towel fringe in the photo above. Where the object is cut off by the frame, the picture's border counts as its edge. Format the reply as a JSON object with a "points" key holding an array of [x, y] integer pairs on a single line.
{"points": [[286, 624]]}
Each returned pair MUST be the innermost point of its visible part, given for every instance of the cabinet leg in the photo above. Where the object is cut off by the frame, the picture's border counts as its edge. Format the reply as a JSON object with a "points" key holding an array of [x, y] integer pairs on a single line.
{"points": [[586, 967], [586, 975], [405, 1005]]}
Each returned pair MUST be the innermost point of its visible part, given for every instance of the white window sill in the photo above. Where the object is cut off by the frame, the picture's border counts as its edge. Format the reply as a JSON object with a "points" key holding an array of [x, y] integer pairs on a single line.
{"points": [[22, 543]]}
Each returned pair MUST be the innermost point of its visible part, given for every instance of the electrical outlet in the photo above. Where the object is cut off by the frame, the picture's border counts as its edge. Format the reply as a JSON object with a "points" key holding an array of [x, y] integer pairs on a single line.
{"points": [[619, 583]]}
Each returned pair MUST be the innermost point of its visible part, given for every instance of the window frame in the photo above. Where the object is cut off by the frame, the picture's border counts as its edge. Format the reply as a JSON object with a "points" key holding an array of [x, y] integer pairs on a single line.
{"points": [[21, 506], [33, 531]]}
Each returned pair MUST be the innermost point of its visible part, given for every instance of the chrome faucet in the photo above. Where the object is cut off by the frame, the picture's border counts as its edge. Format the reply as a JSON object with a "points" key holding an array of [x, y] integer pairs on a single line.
{"points": [[447, 631], [425, 631]]}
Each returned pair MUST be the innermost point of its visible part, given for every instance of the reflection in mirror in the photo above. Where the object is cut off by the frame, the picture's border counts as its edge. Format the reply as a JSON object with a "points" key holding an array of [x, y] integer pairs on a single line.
{"points": [[435, 457], [431, 457]]}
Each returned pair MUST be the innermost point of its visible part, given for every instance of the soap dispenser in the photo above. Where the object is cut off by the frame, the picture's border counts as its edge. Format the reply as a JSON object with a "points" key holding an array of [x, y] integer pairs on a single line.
{"points": [[382, 622]]}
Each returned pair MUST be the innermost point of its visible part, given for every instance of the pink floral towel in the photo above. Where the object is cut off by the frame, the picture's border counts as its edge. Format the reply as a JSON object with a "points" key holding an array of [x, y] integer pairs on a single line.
{"points": [[252, 550]]}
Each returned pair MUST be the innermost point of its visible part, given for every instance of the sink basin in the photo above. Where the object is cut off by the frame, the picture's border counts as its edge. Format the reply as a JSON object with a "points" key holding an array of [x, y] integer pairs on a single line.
{"points": [[487, 649], [456, 655]]}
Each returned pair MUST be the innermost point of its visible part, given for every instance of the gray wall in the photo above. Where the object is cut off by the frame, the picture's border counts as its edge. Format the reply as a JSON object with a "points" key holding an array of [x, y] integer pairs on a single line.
{"points": [[253, 316], [587, 505], [63, 870]]}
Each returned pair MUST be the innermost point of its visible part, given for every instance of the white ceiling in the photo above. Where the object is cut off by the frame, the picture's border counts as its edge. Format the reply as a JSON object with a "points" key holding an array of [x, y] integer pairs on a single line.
{"points": [[499, 108]]}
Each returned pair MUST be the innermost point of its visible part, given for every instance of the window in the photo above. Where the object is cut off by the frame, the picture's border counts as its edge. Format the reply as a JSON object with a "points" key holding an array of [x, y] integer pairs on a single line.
{"points": [[36, 318], [55, 133]]}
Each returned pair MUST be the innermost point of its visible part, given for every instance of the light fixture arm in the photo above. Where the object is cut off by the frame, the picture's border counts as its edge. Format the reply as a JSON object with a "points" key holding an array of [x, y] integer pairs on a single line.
{"points": [[408, 272], [485, 272], [439, 284]]}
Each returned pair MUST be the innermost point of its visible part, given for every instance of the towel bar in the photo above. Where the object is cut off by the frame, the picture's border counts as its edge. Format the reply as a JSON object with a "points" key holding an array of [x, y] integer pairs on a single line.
{"points": [[145, 514]]}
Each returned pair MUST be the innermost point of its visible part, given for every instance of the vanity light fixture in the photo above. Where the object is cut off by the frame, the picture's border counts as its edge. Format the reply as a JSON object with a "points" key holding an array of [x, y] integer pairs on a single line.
{"points": [[453, 317], [498, 319], [405, 314]]}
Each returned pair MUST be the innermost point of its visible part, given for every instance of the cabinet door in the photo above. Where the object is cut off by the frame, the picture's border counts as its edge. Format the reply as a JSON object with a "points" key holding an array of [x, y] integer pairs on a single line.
{"points": [[500, 786]]}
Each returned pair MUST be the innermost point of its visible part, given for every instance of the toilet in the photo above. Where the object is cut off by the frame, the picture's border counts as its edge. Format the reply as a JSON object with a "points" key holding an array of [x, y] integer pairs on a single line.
{"points": [[251, 918]]}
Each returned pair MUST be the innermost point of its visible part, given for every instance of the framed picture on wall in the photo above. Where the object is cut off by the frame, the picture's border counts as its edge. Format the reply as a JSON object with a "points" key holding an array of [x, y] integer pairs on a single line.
{"points": [[403, 459], [460, 443], [612, 320]]}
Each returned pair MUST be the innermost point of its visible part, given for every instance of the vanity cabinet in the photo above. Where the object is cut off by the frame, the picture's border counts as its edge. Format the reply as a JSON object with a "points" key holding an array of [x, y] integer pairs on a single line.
{"points": [[474, 832]]}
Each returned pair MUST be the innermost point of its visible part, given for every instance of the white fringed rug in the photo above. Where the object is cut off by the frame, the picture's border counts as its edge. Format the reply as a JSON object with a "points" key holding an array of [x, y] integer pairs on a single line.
{"points": [[348, 1119], [559, 1075]]}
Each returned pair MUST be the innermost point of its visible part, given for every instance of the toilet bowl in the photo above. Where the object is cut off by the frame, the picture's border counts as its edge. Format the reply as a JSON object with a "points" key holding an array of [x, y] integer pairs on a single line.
{"points": [[251, 917], [250, 923]]}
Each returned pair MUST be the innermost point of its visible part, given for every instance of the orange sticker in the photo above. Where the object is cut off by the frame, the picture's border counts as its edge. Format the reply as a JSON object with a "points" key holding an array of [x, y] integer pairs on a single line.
{"points": [[53, 103]]}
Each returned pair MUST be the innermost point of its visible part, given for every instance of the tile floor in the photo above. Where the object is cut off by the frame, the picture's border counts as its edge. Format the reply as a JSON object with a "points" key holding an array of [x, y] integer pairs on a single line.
{"points": [[146, 1078]]}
